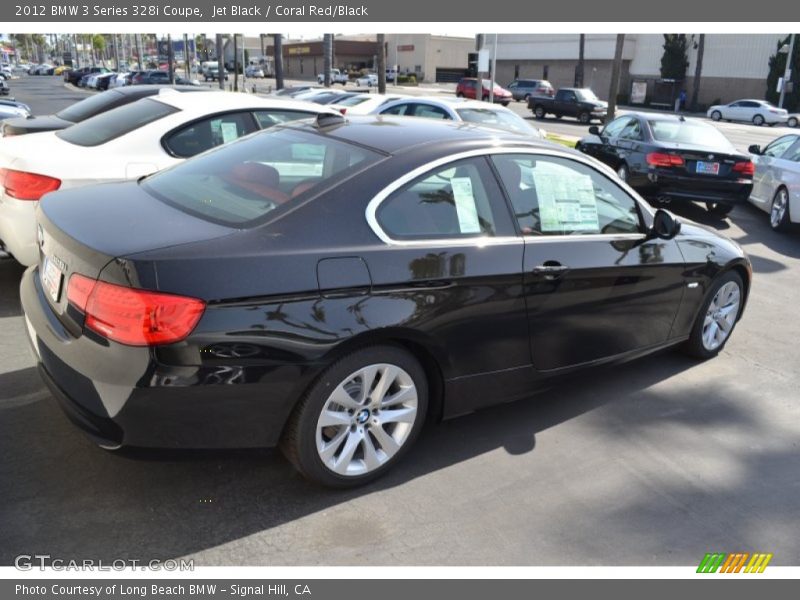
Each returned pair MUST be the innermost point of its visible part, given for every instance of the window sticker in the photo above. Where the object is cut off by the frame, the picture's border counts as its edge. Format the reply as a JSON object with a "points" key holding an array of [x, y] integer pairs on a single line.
{"points": [[229, 132], [466, 209], [566, 199]]}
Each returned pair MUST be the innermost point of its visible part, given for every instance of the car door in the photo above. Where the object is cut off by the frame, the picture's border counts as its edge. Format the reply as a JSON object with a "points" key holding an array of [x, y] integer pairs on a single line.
{"points": [[596, 287], [565, 103], [606, 151], [766, 179]]}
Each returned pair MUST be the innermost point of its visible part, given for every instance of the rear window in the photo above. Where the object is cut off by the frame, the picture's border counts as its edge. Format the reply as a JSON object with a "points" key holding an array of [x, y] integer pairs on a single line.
{"points": [[353, 101], [116, 122], [240, 184], [693, 134], [91, 106], [497, 119]]}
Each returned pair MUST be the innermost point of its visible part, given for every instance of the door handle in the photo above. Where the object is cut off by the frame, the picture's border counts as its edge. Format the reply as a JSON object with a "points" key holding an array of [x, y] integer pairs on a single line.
{"points": [[553, 270]]}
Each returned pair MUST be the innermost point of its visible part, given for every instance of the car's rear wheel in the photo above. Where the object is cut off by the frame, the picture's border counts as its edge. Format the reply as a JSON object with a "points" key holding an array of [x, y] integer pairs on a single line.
{"points": [[717, 317], [485, 98], [792, 122], [718, 209], [359, 418], [779, 218], [622, 172], [526, 98], [584, 118], [538, 112], [459, 95], [716, 115], [758, 120]]}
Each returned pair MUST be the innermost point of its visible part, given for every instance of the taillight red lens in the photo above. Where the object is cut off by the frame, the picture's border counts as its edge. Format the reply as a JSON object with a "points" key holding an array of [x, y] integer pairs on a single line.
{"points": [[131, 316], [343, 111], [662, 159], [27, 186], [745, 167]]}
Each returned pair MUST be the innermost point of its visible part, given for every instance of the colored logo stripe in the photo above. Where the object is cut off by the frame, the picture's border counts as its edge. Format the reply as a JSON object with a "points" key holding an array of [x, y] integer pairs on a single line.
{"points": [[734, 563]]}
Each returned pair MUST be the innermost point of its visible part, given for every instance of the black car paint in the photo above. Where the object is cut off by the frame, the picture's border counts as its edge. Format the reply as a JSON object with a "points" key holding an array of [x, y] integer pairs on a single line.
{"points": [[291, 296], [670, 183]]}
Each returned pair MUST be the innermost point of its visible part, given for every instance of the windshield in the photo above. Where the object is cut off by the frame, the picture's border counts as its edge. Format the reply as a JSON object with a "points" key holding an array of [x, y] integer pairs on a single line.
{"points": [[586, 96], [116, 122], [497, 119], [688, 132], [89, 107], [240, 184]]}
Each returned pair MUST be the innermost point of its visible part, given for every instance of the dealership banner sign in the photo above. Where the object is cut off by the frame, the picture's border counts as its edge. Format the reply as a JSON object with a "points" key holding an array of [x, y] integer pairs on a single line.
{"points": [[497, 11]]}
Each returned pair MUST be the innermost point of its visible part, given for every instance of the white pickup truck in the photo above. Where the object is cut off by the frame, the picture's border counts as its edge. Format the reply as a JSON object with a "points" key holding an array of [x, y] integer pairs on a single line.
{"points": [[336, 77]]}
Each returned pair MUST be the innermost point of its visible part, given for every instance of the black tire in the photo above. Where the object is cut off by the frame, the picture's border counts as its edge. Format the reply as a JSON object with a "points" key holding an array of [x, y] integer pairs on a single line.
{"points": [[716, 115], [758, 120], [459, 95], [539, 112], [694, 345], [718, 209], [785, 222], [485, 98], [622, 172], [526, 98], [584, 118], [504, 103], [792, 122], [298, 442]]}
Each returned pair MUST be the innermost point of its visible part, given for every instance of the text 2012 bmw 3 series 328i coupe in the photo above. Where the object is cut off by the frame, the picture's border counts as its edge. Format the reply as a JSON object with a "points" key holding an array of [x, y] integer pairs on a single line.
{"points": [[329, 286]]}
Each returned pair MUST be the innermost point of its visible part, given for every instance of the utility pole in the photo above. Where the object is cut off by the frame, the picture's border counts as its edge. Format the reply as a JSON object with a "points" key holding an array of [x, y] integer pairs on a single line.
{"points": [[235, 63], [138, 41], [616, 68], [494, 71], [787, 72], [220, 62], [116, 50], [186, 62], [277, 50], [327, 49], [579, 68], [171, 59], [381, 53], [698, 70]]}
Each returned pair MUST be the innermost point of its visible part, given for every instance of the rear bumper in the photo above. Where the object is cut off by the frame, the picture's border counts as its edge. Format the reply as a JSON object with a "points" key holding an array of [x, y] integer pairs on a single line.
{"points": [[122, 395], [18, 228], [660, 186]]}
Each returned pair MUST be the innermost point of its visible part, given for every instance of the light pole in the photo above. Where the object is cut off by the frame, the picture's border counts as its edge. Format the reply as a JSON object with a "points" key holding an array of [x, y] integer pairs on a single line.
{"points": [[787, 72], [494, 72]]}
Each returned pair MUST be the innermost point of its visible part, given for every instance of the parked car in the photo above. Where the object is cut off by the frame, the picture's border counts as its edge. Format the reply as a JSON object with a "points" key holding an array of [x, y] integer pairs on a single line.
{"points": [[127, 142], [254, 71], [368, 80], [323, 96], [468, 88], [580, 103], [6, 74], [329, 287], [776, 184], [10, 109], [5, 89], [102, 81], [211, 73], [296, 90], [361, 104], [76, 75], [668, 158], [757, 112], [60, 69], [151, 77], [793, 120], [522, 89], [85, 109], [460, 109], [336, 76]]}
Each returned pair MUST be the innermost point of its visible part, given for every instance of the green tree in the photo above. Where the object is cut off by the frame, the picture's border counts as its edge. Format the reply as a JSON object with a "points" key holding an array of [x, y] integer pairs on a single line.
{"points": [[675, 60], [777, 66]]}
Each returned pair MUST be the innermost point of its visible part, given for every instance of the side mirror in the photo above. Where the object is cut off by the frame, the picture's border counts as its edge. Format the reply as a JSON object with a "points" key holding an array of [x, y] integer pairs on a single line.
{"points": [[665, 225], [754, 149], [594, 130]]}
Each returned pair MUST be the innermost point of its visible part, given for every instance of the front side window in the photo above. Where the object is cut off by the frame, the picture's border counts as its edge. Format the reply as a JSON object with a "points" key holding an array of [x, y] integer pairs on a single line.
{"points": [[498, 119], [451, 201], [779, 146], [558, 196], [430, 112], [616, 126], [241, 184], [793, 153], [208, 133], [632, 131], [397, 109]]}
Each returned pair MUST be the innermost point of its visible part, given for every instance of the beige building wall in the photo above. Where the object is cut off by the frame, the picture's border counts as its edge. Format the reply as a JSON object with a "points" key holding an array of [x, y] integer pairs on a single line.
{"points": [[423, 53]]}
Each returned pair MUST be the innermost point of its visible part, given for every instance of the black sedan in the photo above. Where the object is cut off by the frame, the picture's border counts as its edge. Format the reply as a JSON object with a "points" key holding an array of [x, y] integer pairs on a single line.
{"points": [[328, 286], [670, 158], [88, 107]]}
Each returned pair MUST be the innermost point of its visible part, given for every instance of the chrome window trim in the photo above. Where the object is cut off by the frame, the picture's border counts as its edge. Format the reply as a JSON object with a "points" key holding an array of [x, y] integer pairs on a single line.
{"points": [[374, 204]]}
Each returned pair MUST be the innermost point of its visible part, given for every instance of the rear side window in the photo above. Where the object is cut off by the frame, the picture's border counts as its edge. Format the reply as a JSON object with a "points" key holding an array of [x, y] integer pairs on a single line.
{"points": [[90, 107], [208, 133], [241, 184], [449, 202], [114, 123]]}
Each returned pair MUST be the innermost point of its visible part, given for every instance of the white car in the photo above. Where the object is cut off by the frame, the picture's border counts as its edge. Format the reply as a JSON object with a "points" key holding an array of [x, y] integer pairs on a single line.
{"points": [[776, 183], [253, 71], [460, 109], [336, 77], [124, 143], [757, 112], [367, 80], [363, 104]]}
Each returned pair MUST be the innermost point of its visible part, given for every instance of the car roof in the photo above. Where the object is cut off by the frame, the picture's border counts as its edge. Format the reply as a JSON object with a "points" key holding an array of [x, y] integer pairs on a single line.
{"points": [[392, 135], [221, 100], [648, 116], [147, 90], [450, 101]]}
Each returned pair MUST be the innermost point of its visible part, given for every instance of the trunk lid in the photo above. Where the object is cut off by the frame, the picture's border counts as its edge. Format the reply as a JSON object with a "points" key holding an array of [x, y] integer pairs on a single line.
{"points": [[725, 160]]}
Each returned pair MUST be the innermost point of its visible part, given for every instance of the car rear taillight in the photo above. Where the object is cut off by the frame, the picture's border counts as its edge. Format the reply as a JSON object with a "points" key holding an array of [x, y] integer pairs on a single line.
{"points": [[27, 186], [343, 110], [661, 159], [745, 167], [132, 316]]}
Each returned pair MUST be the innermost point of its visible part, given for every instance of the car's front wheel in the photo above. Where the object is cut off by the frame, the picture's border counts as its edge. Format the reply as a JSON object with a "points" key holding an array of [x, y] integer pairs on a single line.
{"points": [[359, 418], [717, 317], [539, 112], [716, 115]]}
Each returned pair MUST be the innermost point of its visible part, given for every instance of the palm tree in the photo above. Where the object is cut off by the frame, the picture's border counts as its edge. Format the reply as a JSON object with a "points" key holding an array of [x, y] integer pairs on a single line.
{"points": [[698, 70], [616, 69], [381, 66]]}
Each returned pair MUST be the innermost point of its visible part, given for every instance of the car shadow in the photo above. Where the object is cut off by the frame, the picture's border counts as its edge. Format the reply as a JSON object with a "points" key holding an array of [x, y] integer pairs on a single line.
{"points": [[10, 274], [63, 494]]}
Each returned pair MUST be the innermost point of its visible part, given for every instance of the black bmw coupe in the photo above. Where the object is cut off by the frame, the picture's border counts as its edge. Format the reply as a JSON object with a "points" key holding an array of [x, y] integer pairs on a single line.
{"points": [[329, 286], [670, 158]]}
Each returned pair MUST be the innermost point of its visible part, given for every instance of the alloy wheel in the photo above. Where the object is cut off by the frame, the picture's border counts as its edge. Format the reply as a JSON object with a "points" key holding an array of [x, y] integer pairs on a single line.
{"points": [[366, 419], [777, 213], [721, 315]]}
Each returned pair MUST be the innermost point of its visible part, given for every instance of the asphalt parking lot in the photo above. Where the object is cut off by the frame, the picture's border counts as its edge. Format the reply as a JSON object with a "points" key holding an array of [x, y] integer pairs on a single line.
{"points": [[652, 463]]}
